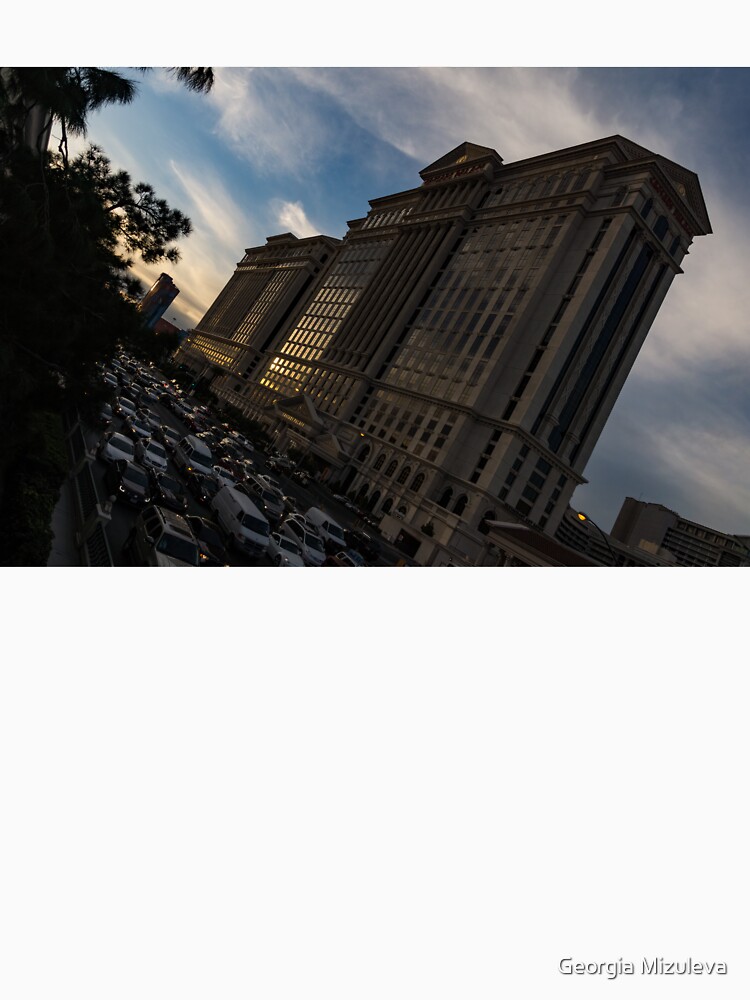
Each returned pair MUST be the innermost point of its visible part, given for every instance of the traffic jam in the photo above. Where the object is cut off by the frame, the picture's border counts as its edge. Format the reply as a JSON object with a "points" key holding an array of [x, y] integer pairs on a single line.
{"points": [[188, 490]]}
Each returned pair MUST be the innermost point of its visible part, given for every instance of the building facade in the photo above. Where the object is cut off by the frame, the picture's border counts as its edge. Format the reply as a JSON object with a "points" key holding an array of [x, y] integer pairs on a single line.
{"points": [[455, 360], [653, 528]]}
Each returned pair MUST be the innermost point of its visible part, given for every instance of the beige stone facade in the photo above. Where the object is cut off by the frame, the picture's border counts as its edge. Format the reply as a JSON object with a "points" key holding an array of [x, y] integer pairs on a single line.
{"points": [[460, 350]]}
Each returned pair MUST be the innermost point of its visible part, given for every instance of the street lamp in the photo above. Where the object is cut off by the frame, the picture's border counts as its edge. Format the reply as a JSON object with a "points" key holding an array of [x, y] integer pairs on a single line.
{"points": [[586, 519]]}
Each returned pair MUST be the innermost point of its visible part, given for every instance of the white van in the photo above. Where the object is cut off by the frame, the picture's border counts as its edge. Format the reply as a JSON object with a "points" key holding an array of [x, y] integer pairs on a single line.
{"points": [[238, 515], [192, 453], [329, 530]]}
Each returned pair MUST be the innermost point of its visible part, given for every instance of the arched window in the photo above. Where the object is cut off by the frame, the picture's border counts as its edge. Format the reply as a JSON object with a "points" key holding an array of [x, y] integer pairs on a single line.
{"points": [[401, 510], [418, 481], [362, 492], [619, 196], [404, 474], [489, 515], [373, 500], [460, 505], [445, 499], [391, 468], [379, 461], [364, 452], [646, 210], [387, 505]]}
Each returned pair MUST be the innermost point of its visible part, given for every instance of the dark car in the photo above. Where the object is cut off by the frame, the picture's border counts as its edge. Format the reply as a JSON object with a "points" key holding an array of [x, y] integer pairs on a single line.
{"points": [[202, 487], [210, 541], [166, 491], [128, 481], [362, 542]]}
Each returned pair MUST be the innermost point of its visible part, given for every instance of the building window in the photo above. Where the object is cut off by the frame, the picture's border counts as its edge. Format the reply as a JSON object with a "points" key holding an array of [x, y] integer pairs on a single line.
{"points": [[417, 483], [404, 474], [379, 461], [387, 505], [460, 504], [445, 499], [391, 468]]}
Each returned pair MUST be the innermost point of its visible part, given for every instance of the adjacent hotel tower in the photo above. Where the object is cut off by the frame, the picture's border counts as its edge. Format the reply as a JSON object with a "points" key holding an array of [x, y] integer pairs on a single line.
{"points": [[454, 358]]}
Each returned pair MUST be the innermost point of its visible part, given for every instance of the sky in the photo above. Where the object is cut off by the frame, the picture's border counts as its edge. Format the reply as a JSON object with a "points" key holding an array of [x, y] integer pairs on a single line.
{"points": [[271, 150]]}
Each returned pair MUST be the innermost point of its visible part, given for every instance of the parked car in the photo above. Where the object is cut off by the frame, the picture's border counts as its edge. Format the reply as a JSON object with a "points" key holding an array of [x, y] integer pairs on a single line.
{"points": [[168, 491], [210, 541], [114, 446], [110, 380], [151, 454], [129, 482], [161, 538], [284, 550]]}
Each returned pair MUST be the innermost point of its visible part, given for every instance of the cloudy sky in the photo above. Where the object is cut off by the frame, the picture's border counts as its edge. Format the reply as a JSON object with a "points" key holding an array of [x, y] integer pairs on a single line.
{"points": [[303, 150]]}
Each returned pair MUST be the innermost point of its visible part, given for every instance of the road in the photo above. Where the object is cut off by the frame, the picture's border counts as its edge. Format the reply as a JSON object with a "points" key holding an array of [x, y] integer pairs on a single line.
{"points": [[123, 515]]}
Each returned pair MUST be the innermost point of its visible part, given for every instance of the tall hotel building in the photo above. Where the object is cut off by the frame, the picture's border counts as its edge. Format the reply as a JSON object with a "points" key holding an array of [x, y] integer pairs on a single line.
{"points": [[453, 360]]}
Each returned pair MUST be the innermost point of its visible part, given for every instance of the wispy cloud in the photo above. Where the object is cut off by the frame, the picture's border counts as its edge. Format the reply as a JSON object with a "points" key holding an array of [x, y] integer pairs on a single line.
{"points": [[291, 216]]}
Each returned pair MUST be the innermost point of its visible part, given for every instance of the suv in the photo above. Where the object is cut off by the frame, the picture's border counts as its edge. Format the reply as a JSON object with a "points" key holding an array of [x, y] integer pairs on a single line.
{"points": [[161, 538]]}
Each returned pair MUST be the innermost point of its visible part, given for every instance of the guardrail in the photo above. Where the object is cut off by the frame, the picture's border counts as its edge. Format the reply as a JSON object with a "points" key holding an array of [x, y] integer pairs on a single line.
{"points": [[91, 515]]}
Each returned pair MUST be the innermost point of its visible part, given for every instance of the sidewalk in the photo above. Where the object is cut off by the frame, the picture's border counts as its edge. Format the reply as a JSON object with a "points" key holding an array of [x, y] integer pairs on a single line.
{"points": [[64, 551]]}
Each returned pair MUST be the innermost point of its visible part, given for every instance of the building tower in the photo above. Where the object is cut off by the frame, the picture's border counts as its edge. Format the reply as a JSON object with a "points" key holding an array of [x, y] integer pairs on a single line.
{"points": [[157, 299], [240, 331], [457, 359]]}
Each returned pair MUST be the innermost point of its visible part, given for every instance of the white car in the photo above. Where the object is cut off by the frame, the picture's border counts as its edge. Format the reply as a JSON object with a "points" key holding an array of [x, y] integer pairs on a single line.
{"points": [[137, 427], [152, 455], [284, 551], [223, 477], [311, 547], [124, 407], [114, 447]]}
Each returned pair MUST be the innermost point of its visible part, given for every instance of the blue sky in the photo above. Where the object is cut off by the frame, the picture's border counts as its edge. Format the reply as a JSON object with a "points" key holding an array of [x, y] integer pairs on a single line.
{"points": [[303, 150]]}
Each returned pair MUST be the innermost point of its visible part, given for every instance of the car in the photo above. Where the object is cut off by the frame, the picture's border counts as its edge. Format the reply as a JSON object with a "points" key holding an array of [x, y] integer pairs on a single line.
{"points": [[348, 558], [290, 505], [270, 481], [267, 500], [161, 538], [128, 481], [106, 415], [123, 406], [223, 476], [300, 477], [168, 436], [114, 446], [110, 380], [284, 550], [243, 442], [136, 428], [202, 487], [151, 454], [311, 547], [362, 542], [210, 539], [168, 491]]}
